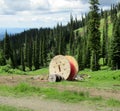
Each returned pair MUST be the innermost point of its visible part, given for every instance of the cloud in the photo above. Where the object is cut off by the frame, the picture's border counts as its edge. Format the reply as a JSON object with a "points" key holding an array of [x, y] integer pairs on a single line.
{"points": [[10, 7], [36, 13], [39, 4]]}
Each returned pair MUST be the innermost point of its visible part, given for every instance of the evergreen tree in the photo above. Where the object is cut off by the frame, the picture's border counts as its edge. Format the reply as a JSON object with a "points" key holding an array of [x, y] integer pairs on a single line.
{"points": [[71, 43], [7, 47], [8, 52], [94, 34], [30, 53], [34, 43], [80, 53], [105, 42], [102, 13], [87, 55], [113, 13], [2, 59], [37, 53], [22, 59], [26, 49], [115, 54]]}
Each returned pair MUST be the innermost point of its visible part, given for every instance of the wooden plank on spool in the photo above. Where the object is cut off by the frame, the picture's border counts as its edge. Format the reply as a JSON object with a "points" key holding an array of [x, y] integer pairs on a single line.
{"points": [[60, 65]]}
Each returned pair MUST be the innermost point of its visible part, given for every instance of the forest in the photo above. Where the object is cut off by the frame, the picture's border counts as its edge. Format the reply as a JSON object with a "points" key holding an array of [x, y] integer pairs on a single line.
{"points": [[94, 41]]}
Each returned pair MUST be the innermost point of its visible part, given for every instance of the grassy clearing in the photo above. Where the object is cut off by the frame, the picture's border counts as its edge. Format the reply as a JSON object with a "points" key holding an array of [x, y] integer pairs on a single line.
{"points": [[11, 108], [25, 89]]}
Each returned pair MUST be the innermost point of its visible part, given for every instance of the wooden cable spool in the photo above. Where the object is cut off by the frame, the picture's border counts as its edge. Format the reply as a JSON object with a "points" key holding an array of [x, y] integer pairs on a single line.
{"points": [[64, 66]]}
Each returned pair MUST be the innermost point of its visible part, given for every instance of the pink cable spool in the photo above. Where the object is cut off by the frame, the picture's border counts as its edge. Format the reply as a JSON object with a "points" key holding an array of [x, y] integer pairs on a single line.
{"points": [[64, 66]]}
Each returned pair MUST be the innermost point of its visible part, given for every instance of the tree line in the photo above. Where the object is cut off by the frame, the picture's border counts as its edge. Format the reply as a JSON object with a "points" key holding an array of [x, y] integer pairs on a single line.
{"points": [[35, 48]]}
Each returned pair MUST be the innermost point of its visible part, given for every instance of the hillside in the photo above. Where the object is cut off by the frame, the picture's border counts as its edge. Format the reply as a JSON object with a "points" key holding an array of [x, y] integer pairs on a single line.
{"points": [[110, 28]]}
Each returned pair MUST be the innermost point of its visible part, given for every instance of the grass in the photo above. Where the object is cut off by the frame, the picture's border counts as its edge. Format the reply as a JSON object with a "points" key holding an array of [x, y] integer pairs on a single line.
{"points": [[7, 69], [37, 72], [11, 108], [24, 89], [103, 79], [113, 102]]}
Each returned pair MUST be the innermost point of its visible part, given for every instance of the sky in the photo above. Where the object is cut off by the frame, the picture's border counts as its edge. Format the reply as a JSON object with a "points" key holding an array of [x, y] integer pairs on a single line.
{"points": [[43, 13]]}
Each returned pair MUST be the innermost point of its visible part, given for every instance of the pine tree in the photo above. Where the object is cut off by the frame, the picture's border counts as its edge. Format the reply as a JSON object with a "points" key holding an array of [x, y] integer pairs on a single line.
{"points": [[26, 49], [71, 45], [30, 53], [8, 52], [2, 59], [22, 59], [103, 47], [86, 44], [105, 42], [102, 13], [94, 34], [34, 53], [7, 47], [37, 53], [80, 53], [115, 53]]}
